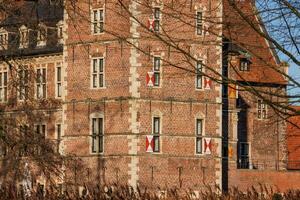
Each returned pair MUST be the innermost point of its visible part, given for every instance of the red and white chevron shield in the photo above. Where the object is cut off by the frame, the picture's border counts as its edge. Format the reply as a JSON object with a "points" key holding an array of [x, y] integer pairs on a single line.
{"points": [[207, 148], [207, 83], [149, 143], [150, 79]]}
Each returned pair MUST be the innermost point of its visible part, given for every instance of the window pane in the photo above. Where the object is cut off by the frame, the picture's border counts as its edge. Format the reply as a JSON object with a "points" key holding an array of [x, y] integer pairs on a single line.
{"points": [[259, 114], [95, 17], [58, 131], [95, 27], [156, 143], [156, 63], [156, 25], [58, 74], [100, 125], [94, 81], [264, 114], [101, 27], [199, 17], [156, 13], [199, 29], [199, 145], [5, 78], [95, 126], [259, 104], [44, 77], [101, 81], [94, 65], [44, 91], [101, 15], [101, 65], [199, 127], [156, 78], [199, 66], [156, 127], [94, 142], [199, 81], [100, 144], [59, 89]]}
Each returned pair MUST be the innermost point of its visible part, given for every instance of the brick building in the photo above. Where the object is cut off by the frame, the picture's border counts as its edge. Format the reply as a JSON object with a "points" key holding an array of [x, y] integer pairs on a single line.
{"points": [[253, 130], [112, 110], [31, 56], [143, 104], [293, 134]]}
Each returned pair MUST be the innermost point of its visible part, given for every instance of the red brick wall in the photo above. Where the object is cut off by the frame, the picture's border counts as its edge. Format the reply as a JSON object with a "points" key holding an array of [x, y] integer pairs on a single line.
{"points": [[280, 180], [176, 101], [293, 141]]}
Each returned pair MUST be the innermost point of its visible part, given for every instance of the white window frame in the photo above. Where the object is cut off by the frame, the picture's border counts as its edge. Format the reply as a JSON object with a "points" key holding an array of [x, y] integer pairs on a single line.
{"points": [[157, 72], [96, 74], [3, 39], [199, 136], [157, 19], [60, 32], [58, 135], [24, 37], [3, 86], [199, 24], [41, 37], [36, 127], [58, 80], [94, 137], [248, 156], [157, 134], [244, 64], [23, 83], [199, 74], [262, 110], [41, 83], [96, 22]]}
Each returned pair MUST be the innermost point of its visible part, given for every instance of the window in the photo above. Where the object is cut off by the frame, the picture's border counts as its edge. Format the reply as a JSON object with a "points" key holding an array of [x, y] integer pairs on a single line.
{"points": [[40, 134], [58, 136], [3, 86], [58, 80], [60, 32], [23, 76], [156, 133], [41, 36], [243, 155], [199, 67], [98, 21], [98, 73], [24, 137], [156, 19], [261, 110], [3, 38], [244, 64], [199, 135], [97, 135], [41, 83], [199, 23], [157, 70], [24, 34]]}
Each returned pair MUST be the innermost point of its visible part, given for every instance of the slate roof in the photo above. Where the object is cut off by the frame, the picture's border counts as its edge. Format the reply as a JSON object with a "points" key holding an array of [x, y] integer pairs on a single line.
{"points": [[264, 60], [31, 14]]}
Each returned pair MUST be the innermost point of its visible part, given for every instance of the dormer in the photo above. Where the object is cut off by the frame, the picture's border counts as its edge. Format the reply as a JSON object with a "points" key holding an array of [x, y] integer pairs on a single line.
{"points": [[41, 35], [60, 33], [3, 39], [24, 37]]}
